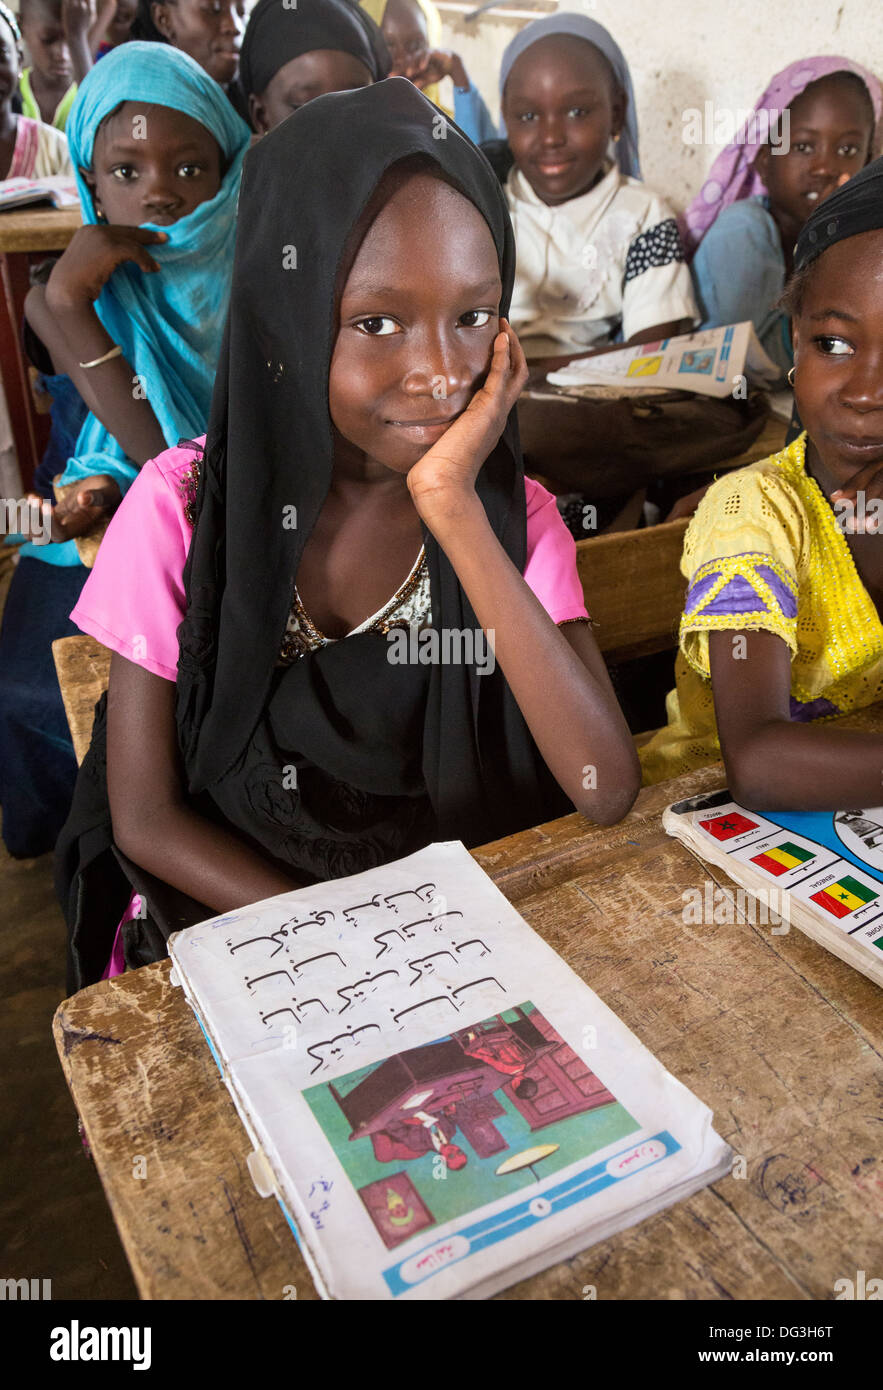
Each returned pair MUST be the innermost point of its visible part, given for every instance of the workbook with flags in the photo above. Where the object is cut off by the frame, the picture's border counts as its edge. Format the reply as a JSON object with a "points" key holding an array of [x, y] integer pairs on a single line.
{"points": [[821, 872], [439, 1104]]}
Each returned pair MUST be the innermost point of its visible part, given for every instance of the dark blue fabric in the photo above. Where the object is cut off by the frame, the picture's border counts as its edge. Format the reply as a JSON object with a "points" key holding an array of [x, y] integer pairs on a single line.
{"points": [[69, 410], [37, 764]]}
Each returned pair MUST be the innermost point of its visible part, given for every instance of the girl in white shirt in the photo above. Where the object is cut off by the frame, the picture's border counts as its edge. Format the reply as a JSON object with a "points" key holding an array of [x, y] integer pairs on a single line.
{"points": [[599, 256]]}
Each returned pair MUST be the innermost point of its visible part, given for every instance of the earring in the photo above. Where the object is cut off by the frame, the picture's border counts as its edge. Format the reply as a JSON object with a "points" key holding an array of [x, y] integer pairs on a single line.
{"points": [[790, 377]]}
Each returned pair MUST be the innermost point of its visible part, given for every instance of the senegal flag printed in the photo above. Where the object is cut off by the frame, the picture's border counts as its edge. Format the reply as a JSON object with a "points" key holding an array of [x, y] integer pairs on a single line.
{"points": [[782, 857], [844, 896]]}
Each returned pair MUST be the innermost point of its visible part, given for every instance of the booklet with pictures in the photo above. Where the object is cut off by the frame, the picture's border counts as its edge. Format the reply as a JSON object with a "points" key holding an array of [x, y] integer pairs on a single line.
{"points": [[820, 871], [439, 1104], [58, 189], [712, 362]]}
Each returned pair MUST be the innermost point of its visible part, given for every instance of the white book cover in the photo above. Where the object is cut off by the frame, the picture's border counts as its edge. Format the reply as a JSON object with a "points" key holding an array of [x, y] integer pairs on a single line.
{"points": [[439, 1103], [58, 189]]}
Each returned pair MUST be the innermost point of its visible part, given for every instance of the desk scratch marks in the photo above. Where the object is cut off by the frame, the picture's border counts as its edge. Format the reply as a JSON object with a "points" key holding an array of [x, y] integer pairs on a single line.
{"points": [[73, 1037]]}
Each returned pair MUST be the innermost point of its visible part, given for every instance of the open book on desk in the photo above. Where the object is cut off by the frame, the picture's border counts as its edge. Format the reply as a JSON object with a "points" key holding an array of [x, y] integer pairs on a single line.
{"points": [[59, 190], [820, 871], [438, 1102], [712, 362]]}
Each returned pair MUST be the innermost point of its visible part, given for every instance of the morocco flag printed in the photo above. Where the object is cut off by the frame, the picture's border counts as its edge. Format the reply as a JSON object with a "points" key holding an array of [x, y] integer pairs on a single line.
{"points": [[844, 896], [782, 858], [725, 827]]}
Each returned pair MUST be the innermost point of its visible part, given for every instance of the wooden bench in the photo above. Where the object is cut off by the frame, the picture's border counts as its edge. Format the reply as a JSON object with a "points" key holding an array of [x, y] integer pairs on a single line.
{"points": [[634, 588], [83, 668]]}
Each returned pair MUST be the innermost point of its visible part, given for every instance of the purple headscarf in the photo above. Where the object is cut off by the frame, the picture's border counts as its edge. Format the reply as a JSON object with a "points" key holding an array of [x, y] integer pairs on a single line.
{"points": [[732, 175]]}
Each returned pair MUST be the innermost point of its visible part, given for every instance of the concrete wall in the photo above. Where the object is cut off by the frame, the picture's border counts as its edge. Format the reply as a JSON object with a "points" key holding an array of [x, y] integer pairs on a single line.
{"points": [[684, 54]]}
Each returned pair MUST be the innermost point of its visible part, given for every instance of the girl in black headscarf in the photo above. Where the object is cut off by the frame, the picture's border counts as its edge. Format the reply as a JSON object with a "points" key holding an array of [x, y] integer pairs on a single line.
{"points": [[290, 56], [350, 432]]}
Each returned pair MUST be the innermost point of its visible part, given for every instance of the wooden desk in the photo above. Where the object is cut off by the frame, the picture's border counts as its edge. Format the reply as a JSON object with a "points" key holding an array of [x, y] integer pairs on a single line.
{"points": [[22, 236], [38, 229], [781, 1039]]}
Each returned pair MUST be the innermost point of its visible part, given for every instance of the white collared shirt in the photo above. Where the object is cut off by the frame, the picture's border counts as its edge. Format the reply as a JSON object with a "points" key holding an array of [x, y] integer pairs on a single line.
{"points": [[609, 261]]}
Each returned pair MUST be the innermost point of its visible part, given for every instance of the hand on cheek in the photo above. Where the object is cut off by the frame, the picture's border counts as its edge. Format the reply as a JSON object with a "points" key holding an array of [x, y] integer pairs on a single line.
{"points": [[442, 484]]}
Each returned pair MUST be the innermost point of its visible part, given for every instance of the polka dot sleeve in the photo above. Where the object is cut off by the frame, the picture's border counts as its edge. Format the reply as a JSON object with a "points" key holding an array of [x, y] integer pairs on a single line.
{"points": [[656, 286]]}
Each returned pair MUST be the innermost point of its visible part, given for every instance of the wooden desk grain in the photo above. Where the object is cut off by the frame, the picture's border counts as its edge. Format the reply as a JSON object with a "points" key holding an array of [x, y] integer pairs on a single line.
{"points": [[782, 1040], [38, 229]]}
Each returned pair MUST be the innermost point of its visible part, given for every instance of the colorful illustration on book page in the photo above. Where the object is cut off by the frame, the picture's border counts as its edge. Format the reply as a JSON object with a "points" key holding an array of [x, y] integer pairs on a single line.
{"points": [[644, 366], [701, 361], [862, 833], [485, 1111]]}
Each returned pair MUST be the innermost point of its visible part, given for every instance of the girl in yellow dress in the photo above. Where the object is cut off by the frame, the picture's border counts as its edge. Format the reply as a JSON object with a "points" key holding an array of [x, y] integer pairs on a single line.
{"points": [[781, 627]]}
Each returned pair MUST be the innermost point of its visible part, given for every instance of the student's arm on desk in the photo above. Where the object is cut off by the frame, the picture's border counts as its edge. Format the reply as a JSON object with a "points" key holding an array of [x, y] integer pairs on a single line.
{"points": [[153, 824], [774, 763]]}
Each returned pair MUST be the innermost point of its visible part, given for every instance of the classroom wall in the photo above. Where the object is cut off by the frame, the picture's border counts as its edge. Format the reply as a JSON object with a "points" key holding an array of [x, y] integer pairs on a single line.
{"points": [[684, 54]]}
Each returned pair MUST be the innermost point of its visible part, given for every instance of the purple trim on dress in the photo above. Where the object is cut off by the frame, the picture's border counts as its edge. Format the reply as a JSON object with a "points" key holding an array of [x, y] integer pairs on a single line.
{"points": [[786, 600], [698, 589], [813, 709], [737, 596]]}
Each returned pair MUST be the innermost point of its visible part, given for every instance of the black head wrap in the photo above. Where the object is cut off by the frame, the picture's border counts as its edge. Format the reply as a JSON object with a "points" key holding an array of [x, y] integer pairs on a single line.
{"points": [[855, 208], [275, 34], [393, 737]]}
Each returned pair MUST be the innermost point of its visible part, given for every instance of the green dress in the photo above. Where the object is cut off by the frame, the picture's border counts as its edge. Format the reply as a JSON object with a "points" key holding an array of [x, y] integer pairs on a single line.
{"points": [[29, 104]]}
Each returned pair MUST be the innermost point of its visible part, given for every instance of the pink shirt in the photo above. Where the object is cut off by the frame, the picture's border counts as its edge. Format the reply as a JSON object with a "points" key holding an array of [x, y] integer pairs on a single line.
{"points": [[133, 601]]}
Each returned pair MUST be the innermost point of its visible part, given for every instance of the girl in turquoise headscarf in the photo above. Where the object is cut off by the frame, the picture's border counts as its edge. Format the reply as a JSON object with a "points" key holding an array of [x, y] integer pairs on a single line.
{"points": [[133, 312]]}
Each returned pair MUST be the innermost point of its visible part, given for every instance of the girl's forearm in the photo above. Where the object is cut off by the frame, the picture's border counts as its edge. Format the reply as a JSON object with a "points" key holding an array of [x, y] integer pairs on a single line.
{"points": [[772, 761], [75, 334], [570, 710], [784, 764], [81, 54], [98, 29], [209, 863]]}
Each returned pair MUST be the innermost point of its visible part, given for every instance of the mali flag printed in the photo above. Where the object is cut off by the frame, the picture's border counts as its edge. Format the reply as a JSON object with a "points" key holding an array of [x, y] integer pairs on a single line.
{"points": [[782, 858], [844, 896], [725, 827]]}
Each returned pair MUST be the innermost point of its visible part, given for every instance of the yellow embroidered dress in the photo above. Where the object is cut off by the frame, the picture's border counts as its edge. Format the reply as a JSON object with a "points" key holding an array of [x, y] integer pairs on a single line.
{"points": [[765, 552]]}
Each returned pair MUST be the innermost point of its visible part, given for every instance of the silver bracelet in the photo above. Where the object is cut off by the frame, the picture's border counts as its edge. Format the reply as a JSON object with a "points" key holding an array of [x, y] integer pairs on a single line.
{"points": [[114, 352]]}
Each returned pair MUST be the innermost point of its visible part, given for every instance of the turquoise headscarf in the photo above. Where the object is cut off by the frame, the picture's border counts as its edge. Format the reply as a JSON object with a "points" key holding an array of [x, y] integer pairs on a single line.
{"points": [[169, 324]]}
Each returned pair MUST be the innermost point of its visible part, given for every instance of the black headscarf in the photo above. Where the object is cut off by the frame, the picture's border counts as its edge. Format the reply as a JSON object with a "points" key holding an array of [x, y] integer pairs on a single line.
{"points": [[275, 34], [855, 208], [373, 742]]}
